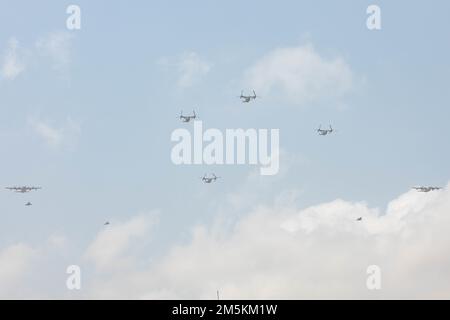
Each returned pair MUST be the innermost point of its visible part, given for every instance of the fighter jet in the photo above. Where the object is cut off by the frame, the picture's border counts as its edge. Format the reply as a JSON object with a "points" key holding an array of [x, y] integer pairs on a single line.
{"points": [[106, 223], [206, 179], [324, 132], [28, 204], [359, 219], [247, 99], [426, 189], [23, 189], [188, 118]]}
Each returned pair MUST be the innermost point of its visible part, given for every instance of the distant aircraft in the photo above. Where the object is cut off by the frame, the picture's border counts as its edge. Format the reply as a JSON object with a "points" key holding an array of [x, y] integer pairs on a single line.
{"points": [[247, 99], [359, 219], [188, 118], [426, 189], [206, 179], [28, 204], [23, 189], [106, 223], [324, 132]]}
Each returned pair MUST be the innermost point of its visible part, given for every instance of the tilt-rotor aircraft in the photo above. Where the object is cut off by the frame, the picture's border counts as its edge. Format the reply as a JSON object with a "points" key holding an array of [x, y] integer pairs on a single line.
{"points": [[247, 99], [211, 179], [324, 132], [188, 118]]}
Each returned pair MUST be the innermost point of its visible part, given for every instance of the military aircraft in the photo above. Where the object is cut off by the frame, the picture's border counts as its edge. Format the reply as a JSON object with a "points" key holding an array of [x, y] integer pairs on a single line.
{"points": [[426, 189], [359, 219], [28, 204], [247, 99], [106, 223], [188, 118], [324, 132], [206, 179], [23, 189]]}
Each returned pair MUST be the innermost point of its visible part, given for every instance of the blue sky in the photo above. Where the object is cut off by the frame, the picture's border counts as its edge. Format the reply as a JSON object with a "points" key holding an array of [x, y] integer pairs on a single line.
{"points": [[111, 93]]}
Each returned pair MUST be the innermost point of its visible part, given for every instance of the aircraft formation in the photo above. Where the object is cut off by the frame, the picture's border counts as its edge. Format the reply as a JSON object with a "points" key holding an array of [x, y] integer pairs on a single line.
{"points": [[212, 178], [322, 132], [23, 189]]}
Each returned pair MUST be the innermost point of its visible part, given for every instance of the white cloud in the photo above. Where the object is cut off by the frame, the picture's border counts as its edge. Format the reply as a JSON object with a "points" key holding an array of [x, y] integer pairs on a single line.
{"points": [[56, 46], [57, 241], [108, 249], [190, 67], [282, 252], [300, 75], [56, 137], [277, 251], [12, 65], [14, 263]]}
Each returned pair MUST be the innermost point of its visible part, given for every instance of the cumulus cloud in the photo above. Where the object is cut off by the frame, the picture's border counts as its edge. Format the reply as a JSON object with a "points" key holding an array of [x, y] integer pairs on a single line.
{"points": [[13, 64], [15, 261], [57, 241], [283, 252], [109, 247], [190, 67], [301, 75], [56, 137], [277, 251]]}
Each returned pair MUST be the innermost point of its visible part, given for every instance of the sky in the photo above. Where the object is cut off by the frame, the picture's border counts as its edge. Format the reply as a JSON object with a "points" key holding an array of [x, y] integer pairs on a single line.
{"points": [[88, 114]]}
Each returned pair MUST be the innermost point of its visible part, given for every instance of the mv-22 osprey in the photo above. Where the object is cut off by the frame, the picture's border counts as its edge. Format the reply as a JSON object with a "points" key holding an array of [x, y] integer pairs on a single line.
{"points": [[247, 99], [188, 118], [211, 179], [324, 132]]}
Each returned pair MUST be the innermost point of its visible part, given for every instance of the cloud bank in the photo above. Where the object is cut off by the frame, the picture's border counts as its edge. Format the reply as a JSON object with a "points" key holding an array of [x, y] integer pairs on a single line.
{"points": [[274, 251], [283, 252]]}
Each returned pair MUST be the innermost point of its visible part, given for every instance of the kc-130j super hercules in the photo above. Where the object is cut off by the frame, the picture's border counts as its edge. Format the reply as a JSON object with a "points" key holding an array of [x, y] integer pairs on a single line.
{"points": [[426, 189], [23, 189]]}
